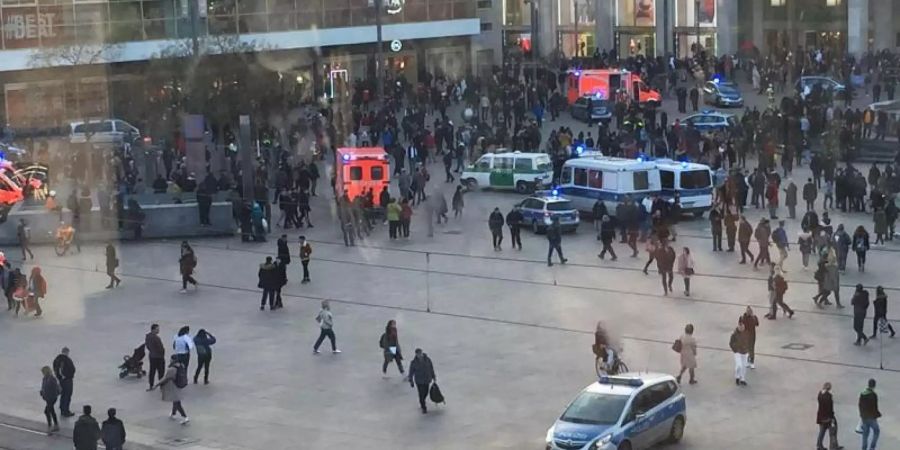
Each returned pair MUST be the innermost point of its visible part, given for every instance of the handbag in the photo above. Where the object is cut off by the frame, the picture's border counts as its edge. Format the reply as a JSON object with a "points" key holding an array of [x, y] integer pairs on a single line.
{"points": [[676, 346], [435, 394]]}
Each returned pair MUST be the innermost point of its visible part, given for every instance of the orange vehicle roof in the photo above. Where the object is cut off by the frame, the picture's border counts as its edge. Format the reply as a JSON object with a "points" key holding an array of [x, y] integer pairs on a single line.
{"points": [[362, 151]]}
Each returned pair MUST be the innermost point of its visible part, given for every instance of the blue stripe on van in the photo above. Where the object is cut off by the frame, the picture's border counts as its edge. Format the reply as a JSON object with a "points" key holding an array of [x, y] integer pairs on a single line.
{"points": [[606, 196], [668, 193]]}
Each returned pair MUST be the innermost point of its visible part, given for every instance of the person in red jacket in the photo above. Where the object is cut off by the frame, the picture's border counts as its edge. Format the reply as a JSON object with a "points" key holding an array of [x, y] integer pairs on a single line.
{"points": [[772, 199]]}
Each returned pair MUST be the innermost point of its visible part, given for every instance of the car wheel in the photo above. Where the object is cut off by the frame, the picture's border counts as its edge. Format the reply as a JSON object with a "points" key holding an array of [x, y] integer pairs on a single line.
{"points": [[471, 184], [677, 431], [624, 446], [522, 187]]}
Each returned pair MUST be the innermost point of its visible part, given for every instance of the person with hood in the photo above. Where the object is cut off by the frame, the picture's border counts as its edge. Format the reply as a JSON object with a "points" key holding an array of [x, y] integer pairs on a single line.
{"points": [[860, 304], [607, 236], [268, 282], [842, 243], [715, 222], [495, 224], [170, 390], [281, 281], [514, 221], [86, 431], [112, 433], [390, 345], [203, 342], [597, 212], [880, 306], [745, 233], [738, 345], [257, 218], [112, 263], [861, 246], [37, 289], [421, 372], [457, 202], [50, 393], [665, 263], [187, 262], [868, 415]]}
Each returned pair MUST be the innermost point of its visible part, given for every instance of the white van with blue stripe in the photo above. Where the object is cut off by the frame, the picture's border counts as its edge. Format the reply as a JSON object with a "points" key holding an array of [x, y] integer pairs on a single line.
{"points": [[585, 180], [691, 181]]}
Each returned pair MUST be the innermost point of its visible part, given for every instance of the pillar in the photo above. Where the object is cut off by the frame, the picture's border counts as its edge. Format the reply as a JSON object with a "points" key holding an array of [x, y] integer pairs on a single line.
{"points": [[548, 30], [727, 26], [664, 27], [605, 18], [884, 25], [759, 39], [858, 26]]}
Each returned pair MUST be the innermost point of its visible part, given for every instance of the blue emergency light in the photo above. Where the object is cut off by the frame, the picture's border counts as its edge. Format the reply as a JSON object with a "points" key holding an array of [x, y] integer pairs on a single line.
{"points": [[579, 150], [345, 157], [555, 192]]}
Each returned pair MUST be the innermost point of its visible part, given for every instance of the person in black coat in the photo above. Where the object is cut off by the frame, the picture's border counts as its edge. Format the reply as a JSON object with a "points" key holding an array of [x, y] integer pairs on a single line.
{"points": [[514, 220], [390, 345], [50, 393], [860, 304], [421, 372], [665, 263], [554, 239], [112, 433], [64, 369], [280, 280], [86, 432], [268, 282], [607, 235], [112, 262], [681, 93], [825, 418], [284, 252], [695, 98], [880, 305], [495, 223], [715, 222]]}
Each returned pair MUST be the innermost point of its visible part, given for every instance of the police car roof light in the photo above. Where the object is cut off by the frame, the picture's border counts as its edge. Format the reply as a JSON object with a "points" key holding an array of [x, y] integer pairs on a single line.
{"points": [[622, 381], [346, 157], [555, 192]]}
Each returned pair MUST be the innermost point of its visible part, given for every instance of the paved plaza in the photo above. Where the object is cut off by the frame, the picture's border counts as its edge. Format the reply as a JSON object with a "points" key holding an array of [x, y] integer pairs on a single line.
{"points": [[510, 339]]}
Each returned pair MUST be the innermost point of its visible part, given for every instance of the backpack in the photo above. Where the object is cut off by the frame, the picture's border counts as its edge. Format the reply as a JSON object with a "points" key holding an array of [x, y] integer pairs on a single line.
{"points": [[181, 378]]}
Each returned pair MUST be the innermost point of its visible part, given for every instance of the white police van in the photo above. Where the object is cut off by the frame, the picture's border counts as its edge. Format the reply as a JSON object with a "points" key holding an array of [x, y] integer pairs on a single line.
{"points": [[586, 180], [691, 181], [523, 172], [632, 411]]}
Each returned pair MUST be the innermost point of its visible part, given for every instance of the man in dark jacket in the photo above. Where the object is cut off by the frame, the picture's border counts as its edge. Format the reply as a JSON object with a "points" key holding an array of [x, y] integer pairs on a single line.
{"points": [[739, 346], [113, 431], [284, 252], [665, 263], [809, 194], [607, 235], [514, 221], [156, 354], [715, 223], [860, 304], [842, 246], [268, 282], [869, 414], [745, 233], [825, 418], [86, 432], [790, 199], [731, 228], [554, 239], [421, 372], [495, 223], [64, 369]]}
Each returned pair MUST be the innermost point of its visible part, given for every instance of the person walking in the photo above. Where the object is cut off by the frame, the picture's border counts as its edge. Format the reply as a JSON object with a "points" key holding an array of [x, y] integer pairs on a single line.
{"points": [[745, 233], [762, 234], [780, 239], [457, 202], [880, 225], [554, 241], [805, 244], [284, 251], [860, 303], [750, 322], [869, 415], [23, 234], [268, 282], [686, 269], [779, 288], [50, 393], [156, 354], [607, 236], [37, 289], [112, 433], [731, 228], [665, 262], [715, 223], [64, 369], [825, 419], [495, 224], [305, 256], [809, 195], [651, 247], [406, 214], [171, 391], [112, 263], [326, 328], [393, 217], [86, 431], [687, 350], [790, 199], [182, 346], [390, 346], [187, 263], [514, 219], [880, 306], [738, 345], [861, 246], [203, 342], [421, 372]]}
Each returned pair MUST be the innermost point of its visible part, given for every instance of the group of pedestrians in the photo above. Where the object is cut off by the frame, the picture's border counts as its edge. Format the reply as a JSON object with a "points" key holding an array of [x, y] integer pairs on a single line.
{"points": [[273, 274]]}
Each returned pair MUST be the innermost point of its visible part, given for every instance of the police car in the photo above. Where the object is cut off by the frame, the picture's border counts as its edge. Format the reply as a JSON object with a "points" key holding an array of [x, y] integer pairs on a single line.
{"points": [[631, 411], [711, 121], [538, 212]]}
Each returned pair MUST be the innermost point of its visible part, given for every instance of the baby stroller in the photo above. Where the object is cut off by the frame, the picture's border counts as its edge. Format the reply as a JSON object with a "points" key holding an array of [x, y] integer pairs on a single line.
{"points": [[134, 364]]}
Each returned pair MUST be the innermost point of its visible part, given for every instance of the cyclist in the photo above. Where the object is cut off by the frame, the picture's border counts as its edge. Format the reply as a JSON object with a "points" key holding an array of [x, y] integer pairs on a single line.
{"points": [[607, 360], [65, 234]]}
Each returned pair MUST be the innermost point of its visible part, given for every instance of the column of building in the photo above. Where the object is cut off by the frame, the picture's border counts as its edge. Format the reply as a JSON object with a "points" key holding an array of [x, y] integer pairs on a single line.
{"points": [[727, 26], [605, 23], [858, 26]]}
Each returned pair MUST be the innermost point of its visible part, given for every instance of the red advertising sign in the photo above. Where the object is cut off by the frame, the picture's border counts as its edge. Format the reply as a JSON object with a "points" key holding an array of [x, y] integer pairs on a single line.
{"points": [[25, 27]]}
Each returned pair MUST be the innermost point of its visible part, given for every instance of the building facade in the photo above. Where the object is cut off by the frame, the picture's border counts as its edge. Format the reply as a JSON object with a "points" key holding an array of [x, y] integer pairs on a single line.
{"points": [[64, 59]]}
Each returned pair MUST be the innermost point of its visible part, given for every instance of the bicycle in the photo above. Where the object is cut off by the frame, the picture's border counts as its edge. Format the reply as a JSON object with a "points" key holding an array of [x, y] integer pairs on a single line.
{"points": [[618, 367]]}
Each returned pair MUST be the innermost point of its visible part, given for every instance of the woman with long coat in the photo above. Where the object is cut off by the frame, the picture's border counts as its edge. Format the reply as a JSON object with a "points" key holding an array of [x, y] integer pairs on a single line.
{"points": [[170, 391], [688, 354]]}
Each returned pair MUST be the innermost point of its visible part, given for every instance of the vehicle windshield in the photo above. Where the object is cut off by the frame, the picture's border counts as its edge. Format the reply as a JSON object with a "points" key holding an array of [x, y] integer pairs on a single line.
{"points": [[695, 179], [728, 89], [559, 206], [602, 103], [595, 409], [543, 164]]}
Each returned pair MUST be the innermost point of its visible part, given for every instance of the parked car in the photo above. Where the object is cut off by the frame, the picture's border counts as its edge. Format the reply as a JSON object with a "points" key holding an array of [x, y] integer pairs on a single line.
{"points": [[592, 109], [103, 131], [722, 94]]}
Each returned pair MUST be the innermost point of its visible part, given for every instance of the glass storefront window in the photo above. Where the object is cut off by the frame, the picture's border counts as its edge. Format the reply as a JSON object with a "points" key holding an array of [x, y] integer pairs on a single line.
{"points": [[636, 13], [517, 13], [686, 13], [585, 9], [159, 9], [125, 12], [252, 6], [415, 10], [221, 7], [125, 31], [253, 23], [91, 13]]}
